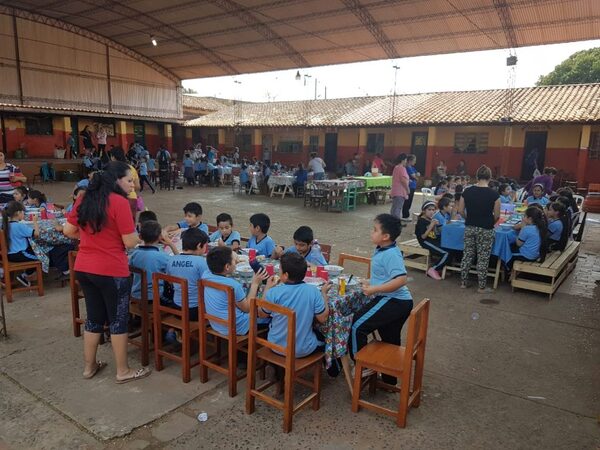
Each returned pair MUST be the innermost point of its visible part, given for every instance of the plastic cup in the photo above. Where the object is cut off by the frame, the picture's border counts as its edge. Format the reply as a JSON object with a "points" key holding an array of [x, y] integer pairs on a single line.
{"points": [[308, 273], [270, 268], [252, 254], [322, 273]]}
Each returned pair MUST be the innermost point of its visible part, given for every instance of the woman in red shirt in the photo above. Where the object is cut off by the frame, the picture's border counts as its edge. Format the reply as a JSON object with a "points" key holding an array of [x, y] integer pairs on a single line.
{"points": [[102, 220]]}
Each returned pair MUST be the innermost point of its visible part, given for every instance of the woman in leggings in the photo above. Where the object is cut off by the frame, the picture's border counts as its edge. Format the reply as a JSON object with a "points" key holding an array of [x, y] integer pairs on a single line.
{"points": [[102, 220]]}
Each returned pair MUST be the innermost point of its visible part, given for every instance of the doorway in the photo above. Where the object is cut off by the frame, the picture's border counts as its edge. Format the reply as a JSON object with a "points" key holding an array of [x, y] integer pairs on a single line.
{"points": [[418, 147], [139, 133], [267, 145], [534, 153], [331, 151]]}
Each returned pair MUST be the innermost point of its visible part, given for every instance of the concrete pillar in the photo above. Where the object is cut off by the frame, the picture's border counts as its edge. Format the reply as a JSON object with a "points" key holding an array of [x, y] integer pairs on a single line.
{"points": [[582, 155], [66, 131], [506, 150], [168, 133], [258, 144], [121, 131], [430, 155], [362, 146], [221, 146]]}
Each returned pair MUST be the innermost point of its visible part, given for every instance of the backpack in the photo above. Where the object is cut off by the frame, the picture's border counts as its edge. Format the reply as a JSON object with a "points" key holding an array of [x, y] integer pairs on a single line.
{"points": [[163, 160]]}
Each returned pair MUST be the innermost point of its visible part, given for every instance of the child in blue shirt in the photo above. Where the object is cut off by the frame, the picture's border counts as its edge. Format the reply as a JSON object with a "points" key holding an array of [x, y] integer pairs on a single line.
{"points": [[506, 194], [221, 263], [245, 178], [150, 257], [77, 192], [531, 242], [538, 196], [17, 236], [391, 301], [259, 227], [306, 300], [192, 219], [225, 235], [303, 245], [558, 226], [20, 194], [191, 265], [38, 200], [188, 169], [144, 175], [445, 212]]}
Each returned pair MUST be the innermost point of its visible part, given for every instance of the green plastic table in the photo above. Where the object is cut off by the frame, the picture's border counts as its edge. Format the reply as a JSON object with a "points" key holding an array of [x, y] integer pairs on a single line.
{"points": [[376, 182]]}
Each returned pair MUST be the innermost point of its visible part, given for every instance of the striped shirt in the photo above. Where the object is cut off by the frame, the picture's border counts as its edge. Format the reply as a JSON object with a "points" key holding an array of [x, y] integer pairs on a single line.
{"points": [[5, 185]]}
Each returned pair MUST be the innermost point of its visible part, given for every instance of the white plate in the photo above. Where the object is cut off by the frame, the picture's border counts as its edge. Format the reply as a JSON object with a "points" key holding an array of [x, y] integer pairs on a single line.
{"points": [[314, 281], [242, 258]]}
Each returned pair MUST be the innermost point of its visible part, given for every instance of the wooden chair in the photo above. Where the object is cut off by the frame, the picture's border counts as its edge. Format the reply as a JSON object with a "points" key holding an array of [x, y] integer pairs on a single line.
{"points": [[11, 267], [343, 257], [234, 342], [138, 306], [326, 251], [594, 187], [396, 361], [164, 316], [212, 228], [284, 358], [76, 295]]}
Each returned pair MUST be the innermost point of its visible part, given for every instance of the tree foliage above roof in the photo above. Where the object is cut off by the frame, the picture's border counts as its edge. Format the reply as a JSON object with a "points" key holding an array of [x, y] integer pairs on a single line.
{"points": [[581, 67]]}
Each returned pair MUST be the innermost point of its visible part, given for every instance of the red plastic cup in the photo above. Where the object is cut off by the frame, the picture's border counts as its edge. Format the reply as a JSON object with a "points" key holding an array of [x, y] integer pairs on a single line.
{"points": [[308, 273], [50, 206], [31, 217], [252, 254], [270, 268], [43, 214], [323, 274]]}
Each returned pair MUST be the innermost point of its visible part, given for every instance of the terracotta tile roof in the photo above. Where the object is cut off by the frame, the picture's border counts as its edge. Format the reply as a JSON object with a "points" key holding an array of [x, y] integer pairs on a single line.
{"points": [[205, 103], [568, 103]]}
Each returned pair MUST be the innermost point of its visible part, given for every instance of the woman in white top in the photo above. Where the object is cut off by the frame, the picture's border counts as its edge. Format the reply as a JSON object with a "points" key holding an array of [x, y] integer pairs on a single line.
{"points": [[317, 166]]}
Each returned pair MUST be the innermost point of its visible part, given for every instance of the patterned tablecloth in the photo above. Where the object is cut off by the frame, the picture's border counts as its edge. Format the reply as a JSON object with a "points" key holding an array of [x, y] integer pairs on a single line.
{"points": [[281, 180], [48, 238], [339, 183], [374, 182]]}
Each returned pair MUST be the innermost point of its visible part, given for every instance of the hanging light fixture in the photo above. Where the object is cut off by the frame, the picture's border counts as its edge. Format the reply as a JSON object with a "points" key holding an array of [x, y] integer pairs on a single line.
{"points": [[153, 40]]}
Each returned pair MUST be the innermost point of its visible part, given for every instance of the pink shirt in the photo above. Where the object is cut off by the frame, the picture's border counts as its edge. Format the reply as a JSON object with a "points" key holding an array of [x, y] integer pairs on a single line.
{"points": [[400, 182], [378, 162]]}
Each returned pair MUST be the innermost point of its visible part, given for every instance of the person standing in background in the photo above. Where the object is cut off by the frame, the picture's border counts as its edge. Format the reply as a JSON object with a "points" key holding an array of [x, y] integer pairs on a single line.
{"points": [[101, 137], [413, 175], [400, 186]]}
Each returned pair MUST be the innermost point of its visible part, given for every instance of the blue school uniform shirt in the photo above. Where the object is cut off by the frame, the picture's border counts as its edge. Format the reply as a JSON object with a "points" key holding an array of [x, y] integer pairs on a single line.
{"points": [[184, 226], [151, 164], [144, 169], [301, 176], [234, 236], [314, 258], [386, 264], [306, 300], [542, 200], [19, 234], [555, 229], [151, 259], [215, 302], [506, 199], [442, 218], [83, 183], [244, 178], [188, 162], [412, 183], [190, 267], [264, 247], [530, 236]]}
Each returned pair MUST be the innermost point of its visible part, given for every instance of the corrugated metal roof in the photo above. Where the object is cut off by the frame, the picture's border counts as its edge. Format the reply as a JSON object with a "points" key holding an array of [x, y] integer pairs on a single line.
{"points": [[569, 103], [225, 37]]}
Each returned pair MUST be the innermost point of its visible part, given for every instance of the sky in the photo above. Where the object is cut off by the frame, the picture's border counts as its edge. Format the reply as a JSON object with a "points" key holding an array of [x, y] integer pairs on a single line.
{"points": [[450, 72]]}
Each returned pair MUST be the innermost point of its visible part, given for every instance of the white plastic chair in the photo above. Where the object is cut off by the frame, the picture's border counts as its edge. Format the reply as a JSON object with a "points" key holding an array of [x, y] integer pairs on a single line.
{"points": [[579, 199], [427, 195]]}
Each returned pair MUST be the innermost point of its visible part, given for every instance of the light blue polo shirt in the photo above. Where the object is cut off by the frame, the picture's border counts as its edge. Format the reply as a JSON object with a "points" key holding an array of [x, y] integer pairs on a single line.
{"points": [[215, 302], [442, 218], [555, 229], [234, 236], [150, 259], [19, 234], [264, 247], [190, 267], [386, 264], [506, 199], [184, 226], [306, 300], [530, 236], [542, 200], [314, 258]]}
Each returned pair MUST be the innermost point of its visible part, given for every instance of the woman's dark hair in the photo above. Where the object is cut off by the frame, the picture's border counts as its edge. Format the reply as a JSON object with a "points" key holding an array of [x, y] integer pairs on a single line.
{"points": [[23, 190], [550, 171], [92, 210], [118, 154], [444, 201], [484, 173], [538, 218], [10, 210], [562, 216], [37, 195], [567, 192], [503, 187], [401, 157]]}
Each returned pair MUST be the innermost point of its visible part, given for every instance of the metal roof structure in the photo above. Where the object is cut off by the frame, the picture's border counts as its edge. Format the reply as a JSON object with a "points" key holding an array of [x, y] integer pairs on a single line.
{"points": [[545, 104], [227, 37]]}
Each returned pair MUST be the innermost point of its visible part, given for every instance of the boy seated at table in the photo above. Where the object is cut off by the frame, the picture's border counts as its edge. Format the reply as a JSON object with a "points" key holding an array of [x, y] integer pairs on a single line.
{"points": [[145, 216], [301, 178], [226, 235], [306, 300], [538, 196], [392, 302], [77, 192], [221, 263], [149, 257], [245, 179], [191, 265], [192, 219], [426, 232], [303, 245], [445, 212], [259, 240], [506, 193]]}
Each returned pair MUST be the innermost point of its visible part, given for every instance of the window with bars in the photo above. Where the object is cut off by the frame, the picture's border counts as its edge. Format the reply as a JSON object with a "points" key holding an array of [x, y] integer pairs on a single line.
{"points": [[290, 146], [38, 126], [471, 142], [243, 142], [594, 151], [375, 142], [313, 143]]}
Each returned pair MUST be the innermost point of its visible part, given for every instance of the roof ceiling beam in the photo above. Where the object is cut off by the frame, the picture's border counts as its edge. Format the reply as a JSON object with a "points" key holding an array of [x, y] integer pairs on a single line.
{"points": [[246, 15], [370, 24], [28, 15], [503, 11]]}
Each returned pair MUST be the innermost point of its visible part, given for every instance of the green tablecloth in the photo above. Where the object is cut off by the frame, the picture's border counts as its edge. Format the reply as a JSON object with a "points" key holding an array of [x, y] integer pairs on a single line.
{"points": [[375, 182]]}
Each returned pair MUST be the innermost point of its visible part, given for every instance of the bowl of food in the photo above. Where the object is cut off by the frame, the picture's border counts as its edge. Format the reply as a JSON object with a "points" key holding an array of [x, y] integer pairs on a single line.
{"points": [[242, 258], [506, 226], [244, 270], [333, 270]]}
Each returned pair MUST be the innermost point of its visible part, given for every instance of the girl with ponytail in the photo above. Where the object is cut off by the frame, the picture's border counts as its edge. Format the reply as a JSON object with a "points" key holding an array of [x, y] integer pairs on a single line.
{"points": [[531, 241], [558, 226], [17, 235]]}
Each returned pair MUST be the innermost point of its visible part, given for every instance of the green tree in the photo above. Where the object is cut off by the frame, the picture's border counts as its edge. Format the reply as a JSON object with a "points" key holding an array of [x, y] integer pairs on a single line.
{"points": [[189, 91], [580, 67]]}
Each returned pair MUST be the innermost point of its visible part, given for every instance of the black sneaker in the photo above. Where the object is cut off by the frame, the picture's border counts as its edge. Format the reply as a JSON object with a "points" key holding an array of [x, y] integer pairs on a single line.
{"points": [[22, 278]]}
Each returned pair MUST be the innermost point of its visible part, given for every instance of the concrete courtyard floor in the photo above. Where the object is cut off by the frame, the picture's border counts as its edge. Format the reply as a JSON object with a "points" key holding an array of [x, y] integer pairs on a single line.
{"points": [[511, 370]]}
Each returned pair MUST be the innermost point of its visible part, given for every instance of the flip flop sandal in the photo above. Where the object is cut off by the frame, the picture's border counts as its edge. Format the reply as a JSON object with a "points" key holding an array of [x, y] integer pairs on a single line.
{"points": [[99, 366], [137, 375]]}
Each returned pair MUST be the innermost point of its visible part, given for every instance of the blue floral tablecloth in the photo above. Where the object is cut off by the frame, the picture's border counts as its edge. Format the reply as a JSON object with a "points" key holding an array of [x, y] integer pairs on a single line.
{"points": [[453, 238]]}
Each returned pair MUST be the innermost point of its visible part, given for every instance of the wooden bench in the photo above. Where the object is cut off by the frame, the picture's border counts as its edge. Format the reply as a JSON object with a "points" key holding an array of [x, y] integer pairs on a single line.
{"points": [[549, 274], [492, 272], [416, 256]]}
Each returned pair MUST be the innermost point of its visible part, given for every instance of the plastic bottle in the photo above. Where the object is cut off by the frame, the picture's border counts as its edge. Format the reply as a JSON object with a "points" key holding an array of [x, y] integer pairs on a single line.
{"points": [[315, 251]]}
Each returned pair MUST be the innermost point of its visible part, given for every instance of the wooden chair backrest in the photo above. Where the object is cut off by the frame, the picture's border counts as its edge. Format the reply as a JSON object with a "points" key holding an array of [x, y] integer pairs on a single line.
{"points": [[343, 257], [416, 337], [3, 248], [184, 314], [594, 187], [143, 299], [212, 228], [204, 317], [72, 257], [289, 352], [326, 251]]}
